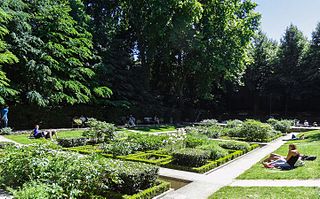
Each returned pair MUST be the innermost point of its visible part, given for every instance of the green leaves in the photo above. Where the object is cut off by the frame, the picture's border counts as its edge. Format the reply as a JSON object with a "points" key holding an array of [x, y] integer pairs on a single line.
{"points": [[55, 50]]}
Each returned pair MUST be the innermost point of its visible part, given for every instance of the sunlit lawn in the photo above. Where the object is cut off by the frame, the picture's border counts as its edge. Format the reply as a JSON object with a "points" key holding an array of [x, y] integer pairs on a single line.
{"points": [[311, 169], [24, 138], [267, 193]]}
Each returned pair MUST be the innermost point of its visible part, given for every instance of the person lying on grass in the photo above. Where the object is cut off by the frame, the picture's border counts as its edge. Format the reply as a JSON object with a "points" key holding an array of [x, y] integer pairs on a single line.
{"points": [[43, 134], [285, 163]]}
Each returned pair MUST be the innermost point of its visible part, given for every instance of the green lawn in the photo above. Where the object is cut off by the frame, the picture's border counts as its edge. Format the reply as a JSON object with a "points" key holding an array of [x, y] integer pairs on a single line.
{"points": [[152, 129], [267, 193], [24, 138], [311, 169]]}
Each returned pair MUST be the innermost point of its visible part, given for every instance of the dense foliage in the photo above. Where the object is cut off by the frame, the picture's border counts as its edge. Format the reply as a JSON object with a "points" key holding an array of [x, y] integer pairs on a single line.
{"points": [[66, 175]]}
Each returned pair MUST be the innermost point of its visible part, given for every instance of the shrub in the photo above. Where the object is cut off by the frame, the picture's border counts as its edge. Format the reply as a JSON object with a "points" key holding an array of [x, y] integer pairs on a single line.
{"points": [[208, 122], [72, 142], [38, 190], [213, 131], [78, 176], [132, 176], [193, 140], [121, 148], [234, 123], [280, 125], [148, 142], [234, 145], [253, 130], [216, 151], [191, 157], [99, 130], [6, 131]]}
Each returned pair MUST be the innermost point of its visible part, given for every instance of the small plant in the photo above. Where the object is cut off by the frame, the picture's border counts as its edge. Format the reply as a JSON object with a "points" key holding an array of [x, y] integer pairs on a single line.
{"points": [[6, 131], [99, 130]]}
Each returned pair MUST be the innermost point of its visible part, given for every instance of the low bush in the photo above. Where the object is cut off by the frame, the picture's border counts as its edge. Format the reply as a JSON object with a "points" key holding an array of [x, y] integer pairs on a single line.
{"points": [[235, 145], [72, 142], [195, 139], [99, 130], [38, 190], [281, 125], [216, 151], [6, 131], [191, 157], [234, 123], [121, 148], [148, 142], [253, 130], [213, 131], [136, 142], [208, 122]]}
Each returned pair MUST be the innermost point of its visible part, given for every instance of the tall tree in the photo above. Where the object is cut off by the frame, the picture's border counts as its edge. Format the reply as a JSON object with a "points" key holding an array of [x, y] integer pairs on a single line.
{"points": [[311, 71], [6, 57], [56, 51], [288, 76], [257, 75]]}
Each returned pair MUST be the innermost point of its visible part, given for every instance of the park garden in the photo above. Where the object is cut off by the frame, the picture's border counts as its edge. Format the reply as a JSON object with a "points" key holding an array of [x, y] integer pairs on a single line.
{"points": [[136, 81], [109, 162]]}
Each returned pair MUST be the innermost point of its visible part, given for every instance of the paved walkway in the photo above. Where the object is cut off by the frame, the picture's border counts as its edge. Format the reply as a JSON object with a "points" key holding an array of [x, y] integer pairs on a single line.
{"points": [[3, 139], [205, 185], [4, 195], [276, 183]]}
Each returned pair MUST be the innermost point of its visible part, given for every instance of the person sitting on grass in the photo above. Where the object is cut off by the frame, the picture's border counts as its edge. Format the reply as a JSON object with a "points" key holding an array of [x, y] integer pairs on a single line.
{"points": [[43, 134], [284, 163]]}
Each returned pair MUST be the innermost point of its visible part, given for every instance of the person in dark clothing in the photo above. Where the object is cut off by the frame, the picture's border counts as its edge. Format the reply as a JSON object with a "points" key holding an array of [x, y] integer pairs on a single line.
{"points": [[4, 117], [281, 162], [43, 134]]}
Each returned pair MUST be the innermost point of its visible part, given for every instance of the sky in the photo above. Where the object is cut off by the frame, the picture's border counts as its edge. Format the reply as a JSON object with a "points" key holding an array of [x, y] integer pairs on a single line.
{"points": [[278, 14]]}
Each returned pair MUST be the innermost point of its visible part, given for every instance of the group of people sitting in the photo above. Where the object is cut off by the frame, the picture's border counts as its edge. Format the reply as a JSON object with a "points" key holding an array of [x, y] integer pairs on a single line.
{"points": [[36, 133]]}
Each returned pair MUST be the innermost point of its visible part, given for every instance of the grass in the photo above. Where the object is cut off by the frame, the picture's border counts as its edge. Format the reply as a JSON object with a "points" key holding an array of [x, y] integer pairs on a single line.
{"points": [[152, 129], [24, 138], [267, 193], [311, 169]]}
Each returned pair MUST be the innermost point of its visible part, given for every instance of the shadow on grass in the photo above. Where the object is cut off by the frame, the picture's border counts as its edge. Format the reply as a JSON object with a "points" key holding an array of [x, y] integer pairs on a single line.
{"points": [[314, 137]]}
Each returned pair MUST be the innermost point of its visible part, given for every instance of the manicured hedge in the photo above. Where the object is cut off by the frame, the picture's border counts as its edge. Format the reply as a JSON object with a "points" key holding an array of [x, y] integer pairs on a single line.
{"points": [[191, 157], [147, 158]]}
